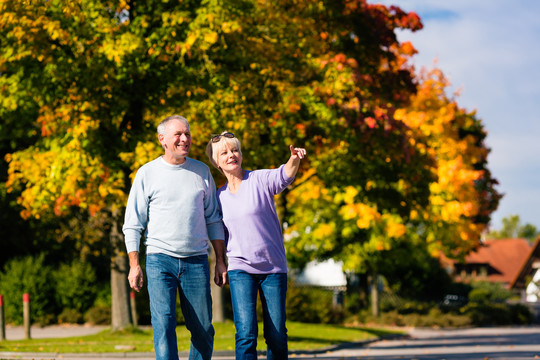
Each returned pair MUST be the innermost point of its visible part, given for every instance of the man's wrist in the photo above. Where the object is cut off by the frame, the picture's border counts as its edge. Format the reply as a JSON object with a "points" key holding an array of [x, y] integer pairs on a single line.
{"points": [[133, 259]]}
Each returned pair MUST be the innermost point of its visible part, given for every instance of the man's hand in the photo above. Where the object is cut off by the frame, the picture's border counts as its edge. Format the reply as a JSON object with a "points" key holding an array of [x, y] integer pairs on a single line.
{"points": [[220, 278], [135, 276]]}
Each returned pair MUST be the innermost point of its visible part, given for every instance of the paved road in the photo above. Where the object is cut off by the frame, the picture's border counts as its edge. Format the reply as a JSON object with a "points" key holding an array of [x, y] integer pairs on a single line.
{"points": [[516, 343]]}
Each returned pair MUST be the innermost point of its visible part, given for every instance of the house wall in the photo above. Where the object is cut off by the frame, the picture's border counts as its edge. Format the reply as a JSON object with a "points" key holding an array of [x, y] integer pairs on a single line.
{"points": [[533, 291]]}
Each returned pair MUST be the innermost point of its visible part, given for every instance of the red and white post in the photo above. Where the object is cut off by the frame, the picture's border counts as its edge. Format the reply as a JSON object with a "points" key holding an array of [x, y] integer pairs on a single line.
{"points": [[132, 304], [26, 315], [2, 319]]}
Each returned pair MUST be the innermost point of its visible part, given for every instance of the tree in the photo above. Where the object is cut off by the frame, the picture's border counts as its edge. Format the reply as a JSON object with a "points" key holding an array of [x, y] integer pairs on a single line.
{"points": [[87, 74], [95, 78], [463, 196], [513, 228], [436, 193]]}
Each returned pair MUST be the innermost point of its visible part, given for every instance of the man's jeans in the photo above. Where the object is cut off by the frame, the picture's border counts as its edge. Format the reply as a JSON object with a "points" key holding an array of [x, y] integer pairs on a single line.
{"points": [[272, 289], [191, 277]]}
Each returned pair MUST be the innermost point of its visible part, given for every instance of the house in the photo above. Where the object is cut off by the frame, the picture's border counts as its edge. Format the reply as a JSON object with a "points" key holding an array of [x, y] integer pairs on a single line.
{"points": [[498, 260], [527, 279]]}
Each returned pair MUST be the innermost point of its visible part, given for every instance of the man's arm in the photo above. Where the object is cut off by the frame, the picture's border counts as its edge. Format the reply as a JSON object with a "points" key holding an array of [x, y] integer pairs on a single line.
{"points": [[136, 219], [220, 277], [135, 276]]}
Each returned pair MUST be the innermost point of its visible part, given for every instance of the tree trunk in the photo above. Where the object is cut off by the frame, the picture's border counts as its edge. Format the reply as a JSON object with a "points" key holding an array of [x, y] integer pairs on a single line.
{"points": [[218, 311], [374, 294], [121, 310]]}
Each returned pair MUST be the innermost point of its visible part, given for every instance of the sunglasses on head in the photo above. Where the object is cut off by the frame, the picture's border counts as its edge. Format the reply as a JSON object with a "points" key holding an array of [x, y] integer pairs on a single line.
{"points": [[216, 138]]}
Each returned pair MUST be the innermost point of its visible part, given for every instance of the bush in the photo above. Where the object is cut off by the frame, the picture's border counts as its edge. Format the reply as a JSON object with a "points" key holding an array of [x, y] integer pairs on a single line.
{"points": [[98, 315], [28, 275], [312, 305], [487, 313], [100, 312], [521, 314], [70, 316], [434, 318], [75, 286], [488, 305], [483, 291]]}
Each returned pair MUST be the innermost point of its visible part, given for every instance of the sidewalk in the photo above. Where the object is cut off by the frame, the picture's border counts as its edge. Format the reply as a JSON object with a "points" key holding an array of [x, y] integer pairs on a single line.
{"points": [[59, 331], [53, 331]]}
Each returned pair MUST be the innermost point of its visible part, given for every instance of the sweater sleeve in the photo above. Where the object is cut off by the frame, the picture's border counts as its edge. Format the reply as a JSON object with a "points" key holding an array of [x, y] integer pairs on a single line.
{"points": [[136, 217], [278, 180], [212, 212]]}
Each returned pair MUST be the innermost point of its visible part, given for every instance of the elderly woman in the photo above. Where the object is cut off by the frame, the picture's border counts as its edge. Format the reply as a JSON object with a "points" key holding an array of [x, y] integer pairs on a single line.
{"points": [[255, 250]]}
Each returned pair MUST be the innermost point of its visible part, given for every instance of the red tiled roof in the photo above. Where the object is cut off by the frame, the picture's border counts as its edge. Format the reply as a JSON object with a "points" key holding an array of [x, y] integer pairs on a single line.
{"points": [[505, 255], [528, 268]]}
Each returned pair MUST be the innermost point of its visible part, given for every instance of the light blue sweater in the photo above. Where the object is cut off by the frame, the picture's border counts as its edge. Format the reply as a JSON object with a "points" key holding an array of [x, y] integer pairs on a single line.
{"points": [[175, 207]]}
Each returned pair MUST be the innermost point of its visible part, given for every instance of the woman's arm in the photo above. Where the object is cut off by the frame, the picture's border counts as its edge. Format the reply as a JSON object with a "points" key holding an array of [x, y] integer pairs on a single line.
{"points": [[291, 167]]}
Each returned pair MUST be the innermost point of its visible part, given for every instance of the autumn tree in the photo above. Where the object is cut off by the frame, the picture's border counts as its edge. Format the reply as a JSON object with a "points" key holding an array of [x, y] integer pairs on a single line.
{"points": [[93, 79], [427, 186], [332, 84], [464, 196]]}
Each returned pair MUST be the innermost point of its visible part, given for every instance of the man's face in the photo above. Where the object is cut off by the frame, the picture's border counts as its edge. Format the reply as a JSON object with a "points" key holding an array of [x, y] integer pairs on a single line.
{"points": [[176, 141]]}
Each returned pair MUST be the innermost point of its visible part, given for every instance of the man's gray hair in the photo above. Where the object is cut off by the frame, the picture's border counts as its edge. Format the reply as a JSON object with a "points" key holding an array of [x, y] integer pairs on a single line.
{"points": [[162, 127]]}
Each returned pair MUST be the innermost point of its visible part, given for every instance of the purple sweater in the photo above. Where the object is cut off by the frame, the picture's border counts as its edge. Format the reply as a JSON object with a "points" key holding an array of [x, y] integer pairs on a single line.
{"points": [[254, 238]]}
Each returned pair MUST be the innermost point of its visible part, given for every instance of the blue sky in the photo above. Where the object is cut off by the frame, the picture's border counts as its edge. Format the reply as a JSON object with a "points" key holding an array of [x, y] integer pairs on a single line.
{"points": [[490, 52]]}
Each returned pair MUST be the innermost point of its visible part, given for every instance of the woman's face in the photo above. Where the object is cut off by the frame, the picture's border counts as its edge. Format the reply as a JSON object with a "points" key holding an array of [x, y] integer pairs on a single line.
{"points": [[229, 158]]}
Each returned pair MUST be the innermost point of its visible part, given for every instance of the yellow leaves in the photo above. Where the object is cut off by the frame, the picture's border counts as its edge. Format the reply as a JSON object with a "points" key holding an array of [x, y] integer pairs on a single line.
{"points": [[190, 40], [121, 46], [436, 200], [363, 222], [230, 26], [85, 125], [348, 212], [395, 229], [350, 194], [201, 39], [437, 123], [210, 37], [143, 153], [323, 231], [365, 215], [62, 173]]}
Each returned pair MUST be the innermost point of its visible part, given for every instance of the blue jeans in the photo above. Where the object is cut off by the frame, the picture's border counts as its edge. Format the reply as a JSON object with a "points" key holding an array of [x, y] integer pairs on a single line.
{"points": [[191, 276], [272, 289]]}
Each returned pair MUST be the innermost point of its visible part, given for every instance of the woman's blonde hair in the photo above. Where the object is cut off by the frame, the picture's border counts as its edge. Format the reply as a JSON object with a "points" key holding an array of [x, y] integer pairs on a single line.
{"points": [[213, 147]]}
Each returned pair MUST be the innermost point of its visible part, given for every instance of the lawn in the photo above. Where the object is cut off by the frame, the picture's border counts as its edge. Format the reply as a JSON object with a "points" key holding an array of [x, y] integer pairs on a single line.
{"points": [[302, 336]]}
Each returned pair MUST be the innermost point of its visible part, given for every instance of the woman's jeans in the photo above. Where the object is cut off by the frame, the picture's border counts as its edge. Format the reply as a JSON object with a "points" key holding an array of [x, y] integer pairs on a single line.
{"points": [[272, 289], [191, 277]]}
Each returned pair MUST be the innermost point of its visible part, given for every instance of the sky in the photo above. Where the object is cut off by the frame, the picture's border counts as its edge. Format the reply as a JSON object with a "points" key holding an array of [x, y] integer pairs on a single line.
{"points": [[490, 52]]}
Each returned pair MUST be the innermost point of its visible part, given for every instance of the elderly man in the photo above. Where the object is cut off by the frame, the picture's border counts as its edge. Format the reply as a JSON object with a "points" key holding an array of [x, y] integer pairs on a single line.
{"points": [[173, 203]]}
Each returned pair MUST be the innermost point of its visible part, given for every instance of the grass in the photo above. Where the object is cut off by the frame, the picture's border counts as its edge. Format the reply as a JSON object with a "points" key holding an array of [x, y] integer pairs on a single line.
{"points": [[302, 336]]}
